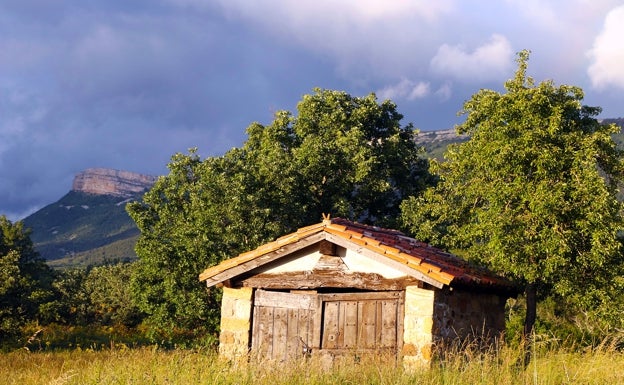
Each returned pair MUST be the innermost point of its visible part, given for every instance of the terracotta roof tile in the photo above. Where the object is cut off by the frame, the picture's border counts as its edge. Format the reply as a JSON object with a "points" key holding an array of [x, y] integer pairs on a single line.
{"points": [[439, 265], [311, 228], [336, 227], [376, 248]]}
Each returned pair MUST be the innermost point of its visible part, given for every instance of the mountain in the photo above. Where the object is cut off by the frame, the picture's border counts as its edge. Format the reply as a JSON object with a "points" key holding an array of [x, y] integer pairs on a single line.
{"points": [[90, 224], [103, 181], [436, 142]]}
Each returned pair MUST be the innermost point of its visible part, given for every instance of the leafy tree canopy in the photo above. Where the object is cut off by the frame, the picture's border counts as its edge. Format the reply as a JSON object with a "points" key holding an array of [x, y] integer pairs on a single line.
{"points": [[24, 279], [532, 194], [110, 295], [348, 156]]}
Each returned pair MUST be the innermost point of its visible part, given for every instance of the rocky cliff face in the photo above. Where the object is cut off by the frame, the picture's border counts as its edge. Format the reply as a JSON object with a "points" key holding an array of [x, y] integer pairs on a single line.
{"points": [[424, 137], [104, 181]]}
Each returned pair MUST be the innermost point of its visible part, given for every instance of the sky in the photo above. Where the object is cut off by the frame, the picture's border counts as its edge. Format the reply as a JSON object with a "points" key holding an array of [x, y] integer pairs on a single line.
{"points": [[127, 84]]}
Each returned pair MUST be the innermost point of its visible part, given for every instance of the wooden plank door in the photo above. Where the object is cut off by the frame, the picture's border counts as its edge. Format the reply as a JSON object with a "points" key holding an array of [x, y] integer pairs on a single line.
{"points": [[289, 325], [362, 321], [283, 324]]}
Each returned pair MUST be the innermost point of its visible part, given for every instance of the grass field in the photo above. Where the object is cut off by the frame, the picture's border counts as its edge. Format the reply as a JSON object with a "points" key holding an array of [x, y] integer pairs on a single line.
{"points": [[120, 365]]}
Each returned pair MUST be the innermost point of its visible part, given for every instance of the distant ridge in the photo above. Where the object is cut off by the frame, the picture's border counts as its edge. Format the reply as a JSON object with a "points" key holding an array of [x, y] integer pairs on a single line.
{"points": [[430, 137], [104, 181], [90, 223]]}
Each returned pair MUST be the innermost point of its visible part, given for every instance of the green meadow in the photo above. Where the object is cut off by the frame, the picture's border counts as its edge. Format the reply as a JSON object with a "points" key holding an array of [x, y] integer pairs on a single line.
{"points": [[551, 364]]}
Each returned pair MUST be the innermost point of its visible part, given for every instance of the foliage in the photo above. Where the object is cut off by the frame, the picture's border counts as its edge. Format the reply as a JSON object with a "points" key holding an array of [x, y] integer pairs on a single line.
{"points": [[57, 337], [532, 194], [561, 321], [70, 303], [11, 314], [24, 279], [175, 244], [344, 155], [110, 295], [94, 296]]}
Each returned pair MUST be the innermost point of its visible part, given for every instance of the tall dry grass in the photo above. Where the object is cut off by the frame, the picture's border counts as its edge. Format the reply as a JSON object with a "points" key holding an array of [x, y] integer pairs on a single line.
{"points": [[552, 364]]}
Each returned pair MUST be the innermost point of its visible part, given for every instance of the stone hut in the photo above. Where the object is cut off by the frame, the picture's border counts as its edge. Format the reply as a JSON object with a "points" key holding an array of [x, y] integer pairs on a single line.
{"points": [[338, 287]]}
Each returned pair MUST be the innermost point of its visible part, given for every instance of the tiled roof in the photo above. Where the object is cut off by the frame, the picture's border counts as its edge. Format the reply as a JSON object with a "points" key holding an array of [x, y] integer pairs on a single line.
{"points": [[442, 267]]}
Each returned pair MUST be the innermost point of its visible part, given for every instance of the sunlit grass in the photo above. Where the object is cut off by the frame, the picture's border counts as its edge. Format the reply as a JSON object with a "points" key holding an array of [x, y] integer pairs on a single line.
{"points": [[150, 365]]}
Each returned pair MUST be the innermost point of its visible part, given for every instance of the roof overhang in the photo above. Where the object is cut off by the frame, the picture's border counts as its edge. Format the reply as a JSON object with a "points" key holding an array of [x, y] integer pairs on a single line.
{"points": [[258, 261], [391, 248], [382, 258], [224, 272]]}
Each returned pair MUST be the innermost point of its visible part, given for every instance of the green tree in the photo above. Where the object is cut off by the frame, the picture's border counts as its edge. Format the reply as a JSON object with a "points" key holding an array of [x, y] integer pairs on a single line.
{"points": [[24, 279], [184, 220], [97, 295], [11, 315], [344, 155], [110, 296], [532, 194], [70, 303]]}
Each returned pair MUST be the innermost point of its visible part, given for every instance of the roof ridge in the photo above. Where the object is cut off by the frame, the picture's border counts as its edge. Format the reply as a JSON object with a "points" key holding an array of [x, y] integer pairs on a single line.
{"points": [[439, 265], [379, 229]]}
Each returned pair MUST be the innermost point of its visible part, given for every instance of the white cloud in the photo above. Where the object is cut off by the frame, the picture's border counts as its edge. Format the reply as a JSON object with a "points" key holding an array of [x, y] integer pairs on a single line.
{"points": [[607, 53], [405, 89], [490, 61], [353, 35], [314, 12], [445, 92], [543, 14]]}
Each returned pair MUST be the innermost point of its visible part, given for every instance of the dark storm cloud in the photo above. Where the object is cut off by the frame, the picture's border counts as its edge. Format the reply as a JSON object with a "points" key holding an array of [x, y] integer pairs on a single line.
{"points": [[126, 84], [91, 87]]}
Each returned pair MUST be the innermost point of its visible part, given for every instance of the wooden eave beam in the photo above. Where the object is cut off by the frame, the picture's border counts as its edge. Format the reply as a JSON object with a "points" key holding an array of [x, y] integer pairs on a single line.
{"points": [[308, 280]]}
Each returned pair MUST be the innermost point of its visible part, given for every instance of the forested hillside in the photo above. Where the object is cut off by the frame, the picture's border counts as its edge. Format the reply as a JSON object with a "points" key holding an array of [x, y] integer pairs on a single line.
{"points": [[80, 222]]}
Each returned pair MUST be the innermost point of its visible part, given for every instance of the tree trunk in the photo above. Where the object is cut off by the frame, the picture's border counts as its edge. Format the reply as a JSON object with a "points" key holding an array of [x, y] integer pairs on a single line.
{"points": [[529, 321], [531, 309]]}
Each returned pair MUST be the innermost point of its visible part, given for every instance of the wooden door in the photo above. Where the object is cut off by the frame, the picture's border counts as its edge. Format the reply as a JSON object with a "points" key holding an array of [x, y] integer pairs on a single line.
{"points": [[362, 322], [289, 325], [283, 324]]}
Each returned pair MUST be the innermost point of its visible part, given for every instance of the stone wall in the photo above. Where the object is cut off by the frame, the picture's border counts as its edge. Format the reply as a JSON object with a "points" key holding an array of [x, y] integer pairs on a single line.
{"points": [[436, 319], [417, 327], [236, 308], [462, 314], [432, 319]]}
